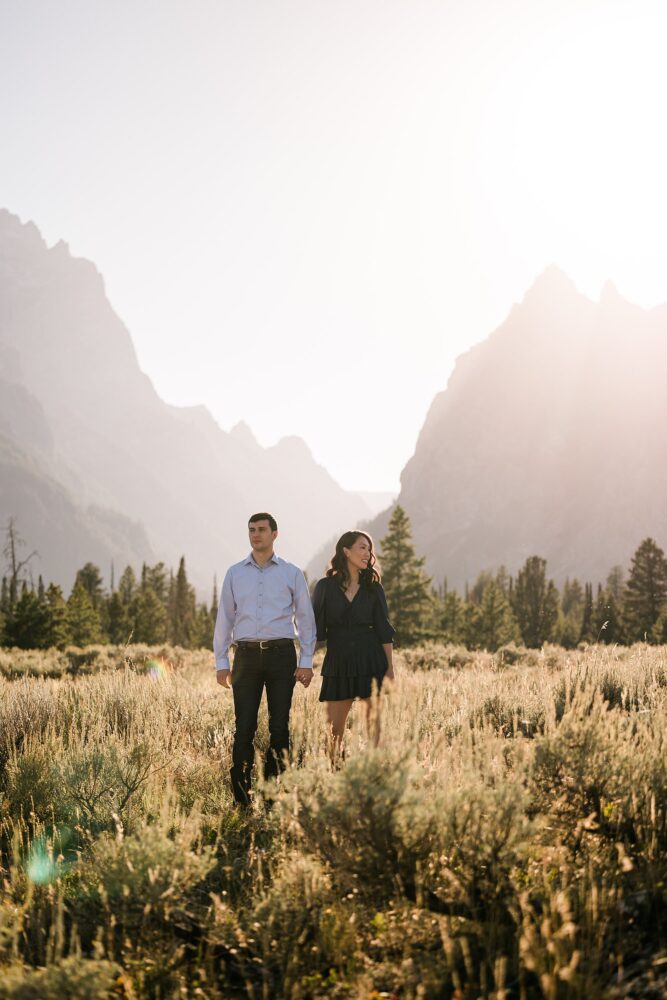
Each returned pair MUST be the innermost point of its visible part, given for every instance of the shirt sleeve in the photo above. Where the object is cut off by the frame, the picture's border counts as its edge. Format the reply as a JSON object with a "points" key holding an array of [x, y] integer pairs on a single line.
{"points": [[305, 621], [319, 607], [383, 627], [224, 624]]}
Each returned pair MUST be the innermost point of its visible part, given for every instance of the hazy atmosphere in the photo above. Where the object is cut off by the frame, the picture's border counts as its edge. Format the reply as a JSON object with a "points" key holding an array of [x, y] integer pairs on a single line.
{"points": [[394, 273], [303, 212]]}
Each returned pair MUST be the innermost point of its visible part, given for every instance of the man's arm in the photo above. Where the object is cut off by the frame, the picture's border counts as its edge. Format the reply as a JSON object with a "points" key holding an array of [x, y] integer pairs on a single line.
{"points": [[305, 627], [224, 628]]}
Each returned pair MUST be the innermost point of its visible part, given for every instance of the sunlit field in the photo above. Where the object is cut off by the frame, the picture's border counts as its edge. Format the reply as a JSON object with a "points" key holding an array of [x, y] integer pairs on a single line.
{"points": [[508, 838]]}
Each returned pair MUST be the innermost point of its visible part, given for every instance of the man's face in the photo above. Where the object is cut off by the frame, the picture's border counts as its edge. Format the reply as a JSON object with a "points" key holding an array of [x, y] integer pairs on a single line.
{"points": [[261, 536]]}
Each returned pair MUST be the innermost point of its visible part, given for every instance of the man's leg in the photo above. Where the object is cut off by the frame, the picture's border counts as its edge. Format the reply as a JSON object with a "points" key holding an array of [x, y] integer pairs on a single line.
{"points": [[279, 667], [247, 687]]}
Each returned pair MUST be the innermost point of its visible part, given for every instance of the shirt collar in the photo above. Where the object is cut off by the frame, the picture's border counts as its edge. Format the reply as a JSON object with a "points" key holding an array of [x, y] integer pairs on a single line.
{"points": [[251, 562]]}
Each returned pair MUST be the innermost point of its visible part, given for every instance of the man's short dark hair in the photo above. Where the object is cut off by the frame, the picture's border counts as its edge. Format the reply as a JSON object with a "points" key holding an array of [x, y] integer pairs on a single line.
{"points": [[264, 517]]}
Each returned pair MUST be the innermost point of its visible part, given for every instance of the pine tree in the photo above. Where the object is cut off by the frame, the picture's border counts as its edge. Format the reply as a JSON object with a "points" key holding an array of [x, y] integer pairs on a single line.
{"points": [[606, 618], [535, 603], [202, 630], [120, 609], [215, 600], [28, 628], [150, 617], [90, 578], [156, 578], [497, 624], [183, 609], [119, 620], [127, 586], [58, 632], [645, 591], [588, 632], [568, 631], [451, 621], [572, 598], [83, 619], [471, 625], [659, 631], [615, 584], [476, 592], [407, 586]]}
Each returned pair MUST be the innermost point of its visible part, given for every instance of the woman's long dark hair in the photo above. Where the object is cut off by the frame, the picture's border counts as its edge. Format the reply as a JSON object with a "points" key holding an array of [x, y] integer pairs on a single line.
{"points": [[338, 565]]}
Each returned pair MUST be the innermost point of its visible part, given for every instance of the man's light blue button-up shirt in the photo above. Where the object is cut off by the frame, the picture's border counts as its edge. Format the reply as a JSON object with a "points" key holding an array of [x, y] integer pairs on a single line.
{"points": [[264, 602]]}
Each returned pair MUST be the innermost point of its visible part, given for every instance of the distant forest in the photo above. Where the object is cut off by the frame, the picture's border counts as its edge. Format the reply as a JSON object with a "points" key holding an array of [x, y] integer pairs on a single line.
{"points": [[497, 610]]}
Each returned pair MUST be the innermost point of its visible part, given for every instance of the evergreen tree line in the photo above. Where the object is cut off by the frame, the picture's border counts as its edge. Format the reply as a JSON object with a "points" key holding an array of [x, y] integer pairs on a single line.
{"points": [[500, 609], [155, 608], [160, 606]]}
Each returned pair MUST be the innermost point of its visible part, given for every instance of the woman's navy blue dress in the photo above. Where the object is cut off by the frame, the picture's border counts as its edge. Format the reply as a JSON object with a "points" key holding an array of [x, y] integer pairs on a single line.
{"points": [[354, 632]]}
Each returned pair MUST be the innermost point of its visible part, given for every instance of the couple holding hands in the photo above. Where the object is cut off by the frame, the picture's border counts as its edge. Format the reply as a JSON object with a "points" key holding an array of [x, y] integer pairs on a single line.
{"points": [[262, 599]]}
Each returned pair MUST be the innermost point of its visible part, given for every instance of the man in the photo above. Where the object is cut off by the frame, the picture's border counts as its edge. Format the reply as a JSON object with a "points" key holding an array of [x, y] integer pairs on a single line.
{"points": [[261, 598]]}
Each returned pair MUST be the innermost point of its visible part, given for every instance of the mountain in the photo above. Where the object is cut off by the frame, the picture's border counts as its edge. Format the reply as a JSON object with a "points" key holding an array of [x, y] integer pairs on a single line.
{"points": [[65, 533], [80, 412], [378, 501], [550, 438]]}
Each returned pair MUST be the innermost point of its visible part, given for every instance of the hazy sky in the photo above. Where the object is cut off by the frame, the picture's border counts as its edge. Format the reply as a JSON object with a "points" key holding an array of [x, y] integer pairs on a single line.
{"points": [[304, 211]]}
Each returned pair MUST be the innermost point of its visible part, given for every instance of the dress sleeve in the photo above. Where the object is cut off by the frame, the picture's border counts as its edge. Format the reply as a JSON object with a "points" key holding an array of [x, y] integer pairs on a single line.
{"points": [[383, 627], [319, 607]]}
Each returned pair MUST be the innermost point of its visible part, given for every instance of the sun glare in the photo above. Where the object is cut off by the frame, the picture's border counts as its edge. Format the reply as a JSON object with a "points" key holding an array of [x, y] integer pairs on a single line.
{"points": [[590, 154]]}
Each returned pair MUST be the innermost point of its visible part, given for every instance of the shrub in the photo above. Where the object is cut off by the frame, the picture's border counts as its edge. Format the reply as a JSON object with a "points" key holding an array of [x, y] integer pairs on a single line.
{"points": [[370, 821], [298, 929], [73, 978]]}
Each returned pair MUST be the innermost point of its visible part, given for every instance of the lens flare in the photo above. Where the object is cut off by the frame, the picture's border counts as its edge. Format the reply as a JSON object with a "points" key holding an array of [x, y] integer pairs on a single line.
{"points": [[41, 868], [159, 669]]}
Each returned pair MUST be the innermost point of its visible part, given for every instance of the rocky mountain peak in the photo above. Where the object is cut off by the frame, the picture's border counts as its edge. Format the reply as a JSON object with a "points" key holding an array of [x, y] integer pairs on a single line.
{"points": [[242, 433], [84, 400], [548, 440]]}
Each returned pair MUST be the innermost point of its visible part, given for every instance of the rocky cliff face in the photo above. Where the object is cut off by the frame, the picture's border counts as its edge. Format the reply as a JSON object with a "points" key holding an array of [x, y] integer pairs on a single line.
{"points": [[550, 439], [96, 426]]}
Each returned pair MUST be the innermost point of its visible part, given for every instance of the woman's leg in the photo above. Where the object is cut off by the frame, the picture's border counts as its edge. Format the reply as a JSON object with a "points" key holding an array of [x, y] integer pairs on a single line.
{"points": [[373, 722], [337, 713]]}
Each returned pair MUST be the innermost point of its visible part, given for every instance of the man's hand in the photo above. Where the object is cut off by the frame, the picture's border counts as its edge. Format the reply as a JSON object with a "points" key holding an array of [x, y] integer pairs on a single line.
{"points": [[223, 677], [304, 676]]}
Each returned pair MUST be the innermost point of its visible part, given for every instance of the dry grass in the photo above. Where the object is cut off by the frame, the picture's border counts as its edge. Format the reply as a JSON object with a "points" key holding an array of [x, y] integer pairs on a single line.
{"points": [[509, 838]]}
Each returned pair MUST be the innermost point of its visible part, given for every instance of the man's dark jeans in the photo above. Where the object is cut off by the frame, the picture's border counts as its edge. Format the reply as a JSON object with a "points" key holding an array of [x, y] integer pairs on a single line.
{"points": [[254, 669]]}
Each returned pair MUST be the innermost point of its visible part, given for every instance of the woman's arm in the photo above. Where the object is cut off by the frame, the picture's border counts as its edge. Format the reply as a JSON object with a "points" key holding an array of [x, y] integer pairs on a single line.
{"points": [[319, 607], [384, 629], [389, 653]]}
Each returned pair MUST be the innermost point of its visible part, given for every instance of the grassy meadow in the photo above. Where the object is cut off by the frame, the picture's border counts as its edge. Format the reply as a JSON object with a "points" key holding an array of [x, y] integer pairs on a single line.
{"points": [[508, 839]]}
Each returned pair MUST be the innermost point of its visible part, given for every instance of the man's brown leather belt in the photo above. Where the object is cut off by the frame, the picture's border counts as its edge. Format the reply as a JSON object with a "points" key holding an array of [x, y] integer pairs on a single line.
{"points": [[263, 643]]}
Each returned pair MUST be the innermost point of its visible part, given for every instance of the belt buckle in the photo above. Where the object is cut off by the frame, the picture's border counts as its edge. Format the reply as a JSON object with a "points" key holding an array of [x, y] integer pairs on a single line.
{"points": [[264, 644]]}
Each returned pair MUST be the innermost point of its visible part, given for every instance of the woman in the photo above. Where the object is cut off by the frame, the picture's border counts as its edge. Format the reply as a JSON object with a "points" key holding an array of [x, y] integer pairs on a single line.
{"points": [[352, 618]]}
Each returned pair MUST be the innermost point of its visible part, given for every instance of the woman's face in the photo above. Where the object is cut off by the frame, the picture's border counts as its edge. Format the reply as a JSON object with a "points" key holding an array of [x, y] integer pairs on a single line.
{"points": [[359, 554]]}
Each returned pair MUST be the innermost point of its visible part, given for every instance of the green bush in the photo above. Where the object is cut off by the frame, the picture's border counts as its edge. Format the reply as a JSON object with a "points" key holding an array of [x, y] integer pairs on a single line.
{"points": [[72, 978], [370, 821], [459, 859]]}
